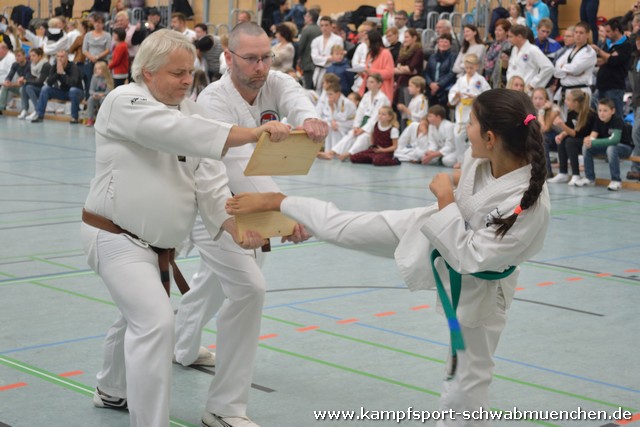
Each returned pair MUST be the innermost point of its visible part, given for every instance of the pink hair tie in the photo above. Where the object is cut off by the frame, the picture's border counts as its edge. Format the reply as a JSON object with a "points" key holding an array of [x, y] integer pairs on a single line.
{"points": [[528, 119], [518, 209]]}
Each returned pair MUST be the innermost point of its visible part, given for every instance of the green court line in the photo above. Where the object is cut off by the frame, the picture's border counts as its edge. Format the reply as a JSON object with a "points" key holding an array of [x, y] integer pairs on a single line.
{"points": [[420, 356], [46, 261], [65, 382], [40, 220], [41, 254]]}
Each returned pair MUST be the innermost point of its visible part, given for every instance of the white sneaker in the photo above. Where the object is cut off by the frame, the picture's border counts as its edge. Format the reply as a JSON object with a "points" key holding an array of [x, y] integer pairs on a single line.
{"points": [[574, 181], [32, 116], [614, 186], [205, 358], [585, 182], [22, 115], [103, 400], [213, 420], [560, 178]]}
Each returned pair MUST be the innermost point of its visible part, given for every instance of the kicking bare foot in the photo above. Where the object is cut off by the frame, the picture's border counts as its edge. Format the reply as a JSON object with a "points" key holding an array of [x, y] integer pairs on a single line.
{"points": [[246, 203], [325, 155], [456, 166], [343, 157]]}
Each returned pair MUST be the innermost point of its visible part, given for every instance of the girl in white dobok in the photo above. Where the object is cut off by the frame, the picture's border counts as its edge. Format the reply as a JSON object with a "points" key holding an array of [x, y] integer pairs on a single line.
{"points": [[493, 220]]}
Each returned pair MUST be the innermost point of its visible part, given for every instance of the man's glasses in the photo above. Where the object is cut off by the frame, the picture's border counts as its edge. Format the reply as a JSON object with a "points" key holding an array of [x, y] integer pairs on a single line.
{"points": [[254, 60]]}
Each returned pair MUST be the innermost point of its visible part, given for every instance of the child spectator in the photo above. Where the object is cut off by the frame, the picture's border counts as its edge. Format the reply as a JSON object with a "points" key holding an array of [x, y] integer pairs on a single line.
{"points": [[101, 84], [119, 64], [579, 123], [515, 15], [359, 137], [321, 98], [441, 148], [339, 66], [200, 81], [412, 143], [546, 44], [609, 137], [384, 141], [355, 98], [339, 113], [547, 113], [461, 96], [418, 106], [516, 83]]}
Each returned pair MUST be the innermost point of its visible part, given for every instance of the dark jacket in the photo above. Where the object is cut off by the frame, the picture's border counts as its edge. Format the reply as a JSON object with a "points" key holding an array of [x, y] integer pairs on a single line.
{"points": [[70, 78], [307, 35], [611, 74], [440, 64]]}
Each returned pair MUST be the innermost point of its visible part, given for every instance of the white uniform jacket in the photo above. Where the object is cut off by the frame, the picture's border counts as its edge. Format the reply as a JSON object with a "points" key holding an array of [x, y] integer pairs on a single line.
{"points": [[154, 186], [321, 54], [343, 113], [419, 107], [441, 138], [531, 64], [574, 70], [411, 146], [280, 97], [468, 88], [369, 107], [460, 232]]}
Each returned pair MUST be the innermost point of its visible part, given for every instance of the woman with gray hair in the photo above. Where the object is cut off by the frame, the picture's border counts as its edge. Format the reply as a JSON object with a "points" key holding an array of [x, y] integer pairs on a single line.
{"points": [[157, 165]]}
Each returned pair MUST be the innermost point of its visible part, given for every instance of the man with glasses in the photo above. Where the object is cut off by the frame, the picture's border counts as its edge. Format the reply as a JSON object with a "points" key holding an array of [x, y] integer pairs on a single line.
{"points": [[248, 93]]}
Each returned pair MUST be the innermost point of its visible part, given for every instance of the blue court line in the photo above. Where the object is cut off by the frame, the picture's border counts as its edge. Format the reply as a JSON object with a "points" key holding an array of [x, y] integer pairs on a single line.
{"points": [[289, 304], [42, 144], [53, 344], [504, 359]]}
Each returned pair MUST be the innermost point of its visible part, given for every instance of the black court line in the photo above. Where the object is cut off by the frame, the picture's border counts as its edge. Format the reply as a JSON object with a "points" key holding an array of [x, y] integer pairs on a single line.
{"points": [[45, 224], [213, 372], [560, 307]]}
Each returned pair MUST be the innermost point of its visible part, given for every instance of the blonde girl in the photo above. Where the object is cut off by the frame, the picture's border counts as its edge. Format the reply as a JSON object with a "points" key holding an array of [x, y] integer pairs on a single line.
{"points": [[101, 85], [547, 113], [516, 83], [384, 141]]}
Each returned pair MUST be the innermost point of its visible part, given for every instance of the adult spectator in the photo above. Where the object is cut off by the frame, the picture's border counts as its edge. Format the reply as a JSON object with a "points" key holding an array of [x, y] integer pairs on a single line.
{"points": [[613, 63], [310, 31], [7, 58], [401, 19], [634, 173], [576, 66], [495, 49], [391, 41], [153, 23], [101, 8], [535, 10], [296, 14], [269, 7], [154, 166], [443, 27], [472, 43], [440, 6], [418, 18], [211, 54], [379, 60], [244, 16], [283, 51], [568, 41], [545, 43], [34, 39], [73, 32], [388, 17], [553, 6], [55, 39], [515, 15], [439, 74], [37, 74], [410, 63], [64, 82], [527, 61], [15, 79], [589, 14], [226, 270], [179, 24], [132, 39], [96, 45], [321, 50]]}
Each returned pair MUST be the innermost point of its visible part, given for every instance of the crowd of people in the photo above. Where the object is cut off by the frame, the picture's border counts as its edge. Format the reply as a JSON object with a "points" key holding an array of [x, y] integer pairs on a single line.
{"points": [[497, 110]]}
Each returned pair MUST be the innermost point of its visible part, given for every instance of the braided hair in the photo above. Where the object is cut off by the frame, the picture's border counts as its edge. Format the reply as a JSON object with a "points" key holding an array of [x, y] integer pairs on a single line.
{"points": [[503, 112]]}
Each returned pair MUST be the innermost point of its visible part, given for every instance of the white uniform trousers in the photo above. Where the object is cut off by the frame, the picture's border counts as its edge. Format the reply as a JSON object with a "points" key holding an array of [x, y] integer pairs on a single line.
{"points": [[138, 347], [379, 233], [460, 140], [352, 144], [237, 273]]}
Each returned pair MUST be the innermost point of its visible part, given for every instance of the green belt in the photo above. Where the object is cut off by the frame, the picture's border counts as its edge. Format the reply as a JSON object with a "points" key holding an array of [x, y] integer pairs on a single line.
{"points": [[450, 305]]}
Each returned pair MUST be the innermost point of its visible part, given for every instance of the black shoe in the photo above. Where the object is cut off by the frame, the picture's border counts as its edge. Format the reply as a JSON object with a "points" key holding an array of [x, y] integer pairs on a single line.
{"points": [[102, 400], [74, 121], [37, 120], [633, 175]]}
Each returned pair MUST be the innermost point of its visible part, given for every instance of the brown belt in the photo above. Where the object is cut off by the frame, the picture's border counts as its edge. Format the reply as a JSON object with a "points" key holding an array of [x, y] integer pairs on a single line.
{"points": [[166, 257]]}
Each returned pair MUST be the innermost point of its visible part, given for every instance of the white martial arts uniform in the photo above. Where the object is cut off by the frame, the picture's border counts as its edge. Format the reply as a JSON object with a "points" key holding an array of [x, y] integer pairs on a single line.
{"points": [[575, 71], [343, 113], [146, 185], [321, 56], [469, 89], [368, 108], [411, 146], [441, 139], [460, 233], [531, 64], [224, 263], [419, 107], [358, 62]]}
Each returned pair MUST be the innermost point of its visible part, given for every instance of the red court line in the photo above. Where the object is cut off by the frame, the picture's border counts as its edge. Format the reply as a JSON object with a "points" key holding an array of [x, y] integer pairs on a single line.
{"points": [[520, 288], [634, 417], [574, 279], [545, 283], [307, 328], [211, 346], [264, 337], [10, 386], [604, 275], [633, 270], [71, 374], [420, 307], [386, 313], [344, 321]]}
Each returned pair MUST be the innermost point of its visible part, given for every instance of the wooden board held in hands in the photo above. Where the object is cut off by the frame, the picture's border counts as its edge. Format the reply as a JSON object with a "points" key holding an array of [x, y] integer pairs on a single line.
{"points": [[268, 224], [291, 156]]}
